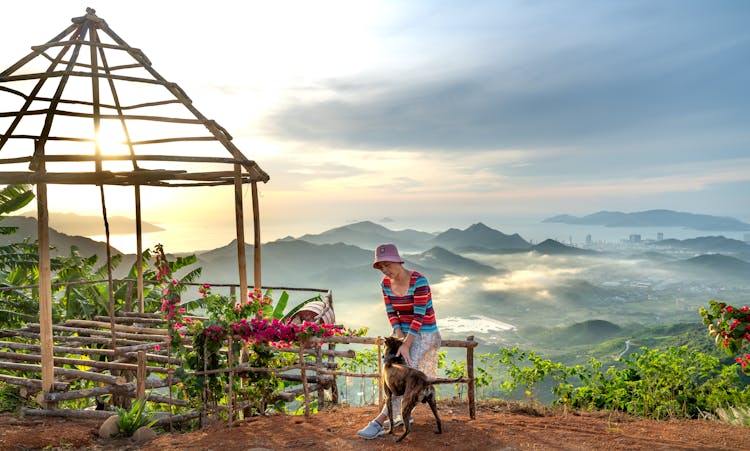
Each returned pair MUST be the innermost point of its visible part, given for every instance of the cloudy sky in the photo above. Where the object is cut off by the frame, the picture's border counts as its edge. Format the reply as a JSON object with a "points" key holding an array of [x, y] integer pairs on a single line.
{"points": [[436, 114]]}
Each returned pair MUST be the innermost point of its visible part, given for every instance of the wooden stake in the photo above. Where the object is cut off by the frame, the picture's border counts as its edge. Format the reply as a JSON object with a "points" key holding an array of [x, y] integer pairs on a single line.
{"points": [[140, 391], [381, 401], [230, 364], [303, 373], [470, 370]]}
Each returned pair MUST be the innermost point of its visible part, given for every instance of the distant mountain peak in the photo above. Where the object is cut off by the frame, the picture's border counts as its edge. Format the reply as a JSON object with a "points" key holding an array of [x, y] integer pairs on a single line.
{"points": [[479, 236], [479, 227], [550, 246], [368, 235], [655, 218]]}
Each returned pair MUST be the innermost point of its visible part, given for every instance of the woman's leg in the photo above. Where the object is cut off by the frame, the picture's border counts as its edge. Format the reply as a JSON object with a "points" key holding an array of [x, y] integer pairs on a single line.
{"points": [[424, 353]]}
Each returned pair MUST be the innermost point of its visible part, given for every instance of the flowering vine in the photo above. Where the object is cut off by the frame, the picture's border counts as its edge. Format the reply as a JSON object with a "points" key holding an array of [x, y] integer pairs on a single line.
{"points": [[170, 298], [730, 327], [254, 320]]}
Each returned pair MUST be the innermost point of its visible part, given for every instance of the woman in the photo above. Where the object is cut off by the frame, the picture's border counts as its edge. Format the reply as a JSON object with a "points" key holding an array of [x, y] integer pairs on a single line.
{"points": [[408, 304]]}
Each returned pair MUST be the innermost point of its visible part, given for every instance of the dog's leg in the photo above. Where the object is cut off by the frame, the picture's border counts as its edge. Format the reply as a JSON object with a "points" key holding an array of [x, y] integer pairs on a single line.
{"points": [[408, 402], [433, 406], [389, 403]]}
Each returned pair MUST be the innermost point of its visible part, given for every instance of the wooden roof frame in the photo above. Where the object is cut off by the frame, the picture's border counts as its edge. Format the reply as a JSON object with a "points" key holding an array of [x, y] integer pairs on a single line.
{"points": [[64, 53]]}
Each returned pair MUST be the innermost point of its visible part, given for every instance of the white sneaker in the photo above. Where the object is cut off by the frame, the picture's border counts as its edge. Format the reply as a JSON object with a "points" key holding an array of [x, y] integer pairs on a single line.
{"points": [[371, 431]]}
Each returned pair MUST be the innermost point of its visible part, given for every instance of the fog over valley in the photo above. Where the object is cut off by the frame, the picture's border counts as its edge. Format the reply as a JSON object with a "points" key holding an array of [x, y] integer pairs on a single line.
{"points": [[496, 285]]}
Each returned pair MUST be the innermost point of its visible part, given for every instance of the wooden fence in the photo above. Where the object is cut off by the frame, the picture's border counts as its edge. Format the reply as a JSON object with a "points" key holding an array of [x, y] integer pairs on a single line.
{"points": [[129, 354]]}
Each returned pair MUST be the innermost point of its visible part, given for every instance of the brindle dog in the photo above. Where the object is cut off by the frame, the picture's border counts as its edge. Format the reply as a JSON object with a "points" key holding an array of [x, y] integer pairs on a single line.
{"points": [[412, 384]]}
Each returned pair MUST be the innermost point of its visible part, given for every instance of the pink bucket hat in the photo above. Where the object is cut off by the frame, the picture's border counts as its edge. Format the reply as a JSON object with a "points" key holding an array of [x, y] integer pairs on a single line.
{"points": [[386, 253]]}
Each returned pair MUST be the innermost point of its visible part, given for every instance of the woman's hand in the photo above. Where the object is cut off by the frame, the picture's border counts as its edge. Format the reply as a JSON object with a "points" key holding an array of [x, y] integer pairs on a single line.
{"points": [[404, 351]]}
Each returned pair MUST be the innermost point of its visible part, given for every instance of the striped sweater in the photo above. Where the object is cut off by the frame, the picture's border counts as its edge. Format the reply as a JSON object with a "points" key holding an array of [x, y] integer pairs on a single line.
{"points": [[413, 312]]}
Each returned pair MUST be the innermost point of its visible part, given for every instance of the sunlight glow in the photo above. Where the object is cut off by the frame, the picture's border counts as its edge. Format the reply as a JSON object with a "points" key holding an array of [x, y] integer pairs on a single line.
{"points": [[110, 139], [449, 288], [537, 279]]}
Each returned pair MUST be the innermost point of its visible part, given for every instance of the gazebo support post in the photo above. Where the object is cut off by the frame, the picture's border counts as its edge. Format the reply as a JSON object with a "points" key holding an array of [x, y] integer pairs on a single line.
{"points": [[45, 292], [240, 223], [139, 248], [256, 235]]}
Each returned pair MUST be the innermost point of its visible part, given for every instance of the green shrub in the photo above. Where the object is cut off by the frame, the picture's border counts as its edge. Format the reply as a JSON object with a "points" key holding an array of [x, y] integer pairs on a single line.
{"points": [[10, 398], [135, 418], [676, 383]]}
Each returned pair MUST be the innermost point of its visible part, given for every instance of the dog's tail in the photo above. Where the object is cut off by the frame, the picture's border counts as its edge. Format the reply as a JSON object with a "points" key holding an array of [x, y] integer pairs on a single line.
{"points": [[443, 380]]}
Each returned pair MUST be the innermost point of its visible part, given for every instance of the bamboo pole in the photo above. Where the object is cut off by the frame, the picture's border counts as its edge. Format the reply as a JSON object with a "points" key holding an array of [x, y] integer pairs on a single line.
{"points": [[103, 390], [78, 362], [83, 323], [128, 299], [149, 157], [239, 215], [139, 248], [68, 413], [45, 292], [80, 340], [31, 384], [139, 338], [256, 240], [110, 286], [107, 379]]}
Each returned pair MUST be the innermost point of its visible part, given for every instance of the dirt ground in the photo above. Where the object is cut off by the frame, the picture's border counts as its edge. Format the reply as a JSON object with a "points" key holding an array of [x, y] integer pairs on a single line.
{"points": [[498, 426]]}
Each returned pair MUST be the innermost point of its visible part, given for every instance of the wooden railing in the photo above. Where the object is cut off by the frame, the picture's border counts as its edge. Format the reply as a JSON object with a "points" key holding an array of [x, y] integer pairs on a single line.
{"points": [[136, 338]]}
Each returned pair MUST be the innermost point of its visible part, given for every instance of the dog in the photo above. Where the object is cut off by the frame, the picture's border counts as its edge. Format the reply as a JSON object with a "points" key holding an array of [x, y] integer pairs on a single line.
{"points": [[412, 384]]}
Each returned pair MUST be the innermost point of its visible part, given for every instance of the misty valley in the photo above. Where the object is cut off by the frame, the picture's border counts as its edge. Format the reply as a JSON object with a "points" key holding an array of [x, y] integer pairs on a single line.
{"points": [[571, 302]]}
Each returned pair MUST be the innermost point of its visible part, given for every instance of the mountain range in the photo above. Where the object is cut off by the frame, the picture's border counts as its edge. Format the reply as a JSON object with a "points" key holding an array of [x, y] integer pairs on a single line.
{"points": [[342, 256], [72, 223], [706, 244], [60, 242], [480, 269], [655, 218]]}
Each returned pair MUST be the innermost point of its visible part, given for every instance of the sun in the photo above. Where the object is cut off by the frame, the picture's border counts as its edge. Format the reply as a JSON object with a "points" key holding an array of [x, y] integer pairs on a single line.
{"points": [[110, 139]]}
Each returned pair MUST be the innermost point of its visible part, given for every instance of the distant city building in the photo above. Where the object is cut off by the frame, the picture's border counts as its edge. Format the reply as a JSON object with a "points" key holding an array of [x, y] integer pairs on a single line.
{"points": [[635, 238], [659, 236]]}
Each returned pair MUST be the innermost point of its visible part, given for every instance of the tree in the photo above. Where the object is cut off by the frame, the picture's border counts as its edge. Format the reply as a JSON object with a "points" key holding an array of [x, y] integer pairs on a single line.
{"points": [[19, 263]]}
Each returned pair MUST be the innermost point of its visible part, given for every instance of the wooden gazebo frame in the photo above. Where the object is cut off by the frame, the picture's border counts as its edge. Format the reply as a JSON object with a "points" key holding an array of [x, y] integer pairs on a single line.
{"points": [[93, 82]]}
